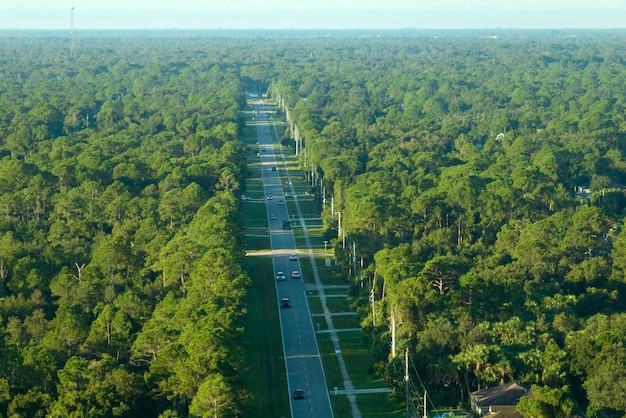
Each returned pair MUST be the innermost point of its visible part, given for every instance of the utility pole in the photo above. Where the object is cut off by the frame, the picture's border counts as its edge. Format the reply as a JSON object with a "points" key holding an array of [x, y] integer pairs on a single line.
{"points": [[425, 413], [341, 233], [339, 226], [406, 381], [373, 299], [393, 334], [373, 308]]}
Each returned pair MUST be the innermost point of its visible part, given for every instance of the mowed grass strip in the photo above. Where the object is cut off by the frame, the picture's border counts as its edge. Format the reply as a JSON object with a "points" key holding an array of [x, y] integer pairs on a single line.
{"points": [[341, 405], [356, 356], [265, 377], [346, 322], [257, 243], [329, 361], [254, 215], [315, 305], [379, 405], [338, 305]]}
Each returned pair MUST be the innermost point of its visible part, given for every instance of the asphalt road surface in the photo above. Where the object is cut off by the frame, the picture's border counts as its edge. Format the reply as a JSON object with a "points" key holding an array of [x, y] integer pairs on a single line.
{"points": [[302, 359]]}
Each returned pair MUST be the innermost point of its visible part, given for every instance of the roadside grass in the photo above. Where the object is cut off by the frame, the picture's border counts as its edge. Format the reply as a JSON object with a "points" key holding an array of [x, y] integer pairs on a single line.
{"points": [[333, 291], [332, 278], [265, 376], [254, 215], [254, 171], [319, 323], [339, 322], [341, 405], [356, 355], [257, 243], [338, 305], [254, 181], [329, 361], [315, 305], [379, 405], [346, 322], [329, 276], [307, 207], [248, 132], [306, 270], [315, 229]]}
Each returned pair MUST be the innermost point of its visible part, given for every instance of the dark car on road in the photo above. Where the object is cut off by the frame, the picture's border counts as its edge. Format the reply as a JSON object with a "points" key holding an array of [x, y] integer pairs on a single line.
{"points": [[298, 394], [284, 303]]}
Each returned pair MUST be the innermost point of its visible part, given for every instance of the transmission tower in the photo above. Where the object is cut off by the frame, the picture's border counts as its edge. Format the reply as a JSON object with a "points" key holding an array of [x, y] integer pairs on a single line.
{"points": [[72, 50]]}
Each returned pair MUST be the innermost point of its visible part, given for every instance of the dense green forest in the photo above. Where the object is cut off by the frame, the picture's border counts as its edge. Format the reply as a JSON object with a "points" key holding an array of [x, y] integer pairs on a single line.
{"points": [[120, 266], [480, 180]]}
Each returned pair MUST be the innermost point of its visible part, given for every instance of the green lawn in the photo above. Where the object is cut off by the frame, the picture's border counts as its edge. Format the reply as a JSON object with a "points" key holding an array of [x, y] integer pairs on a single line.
{"points": [[257, 243], [329, 291], [345, 322], [378, 405], [337, 305], [254, 215], [341, 406]]}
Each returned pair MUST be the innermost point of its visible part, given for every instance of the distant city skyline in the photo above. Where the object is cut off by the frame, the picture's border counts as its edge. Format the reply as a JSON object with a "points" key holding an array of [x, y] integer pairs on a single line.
{"points": [[318, 14]]}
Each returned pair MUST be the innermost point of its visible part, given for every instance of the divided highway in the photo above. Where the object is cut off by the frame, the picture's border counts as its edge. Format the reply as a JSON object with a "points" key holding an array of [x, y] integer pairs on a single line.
{"points": [[302, 359]]}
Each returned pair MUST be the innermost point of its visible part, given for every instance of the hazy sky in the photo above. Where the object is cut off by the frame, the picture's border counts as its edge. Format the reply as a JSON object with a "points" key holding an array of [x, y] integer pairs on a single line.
{"points": [[322, 14]]}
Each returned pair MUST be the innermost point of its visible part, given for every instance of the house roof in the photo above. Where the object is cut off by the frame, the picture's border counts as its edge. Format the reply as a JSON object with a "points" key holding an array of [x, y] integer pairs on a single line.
{"points": [[506, 394], [503, 411]]}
